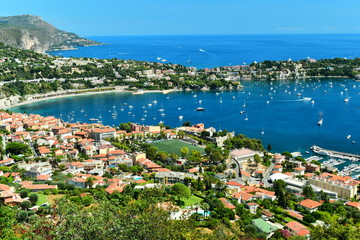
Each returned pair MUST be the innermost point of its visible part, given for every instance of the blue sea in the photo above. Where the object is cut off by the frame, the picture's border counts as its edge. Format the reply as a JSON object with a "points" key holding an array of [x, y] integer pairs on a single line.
{"points": [[276, 112], [207, 51], [288, 121]]}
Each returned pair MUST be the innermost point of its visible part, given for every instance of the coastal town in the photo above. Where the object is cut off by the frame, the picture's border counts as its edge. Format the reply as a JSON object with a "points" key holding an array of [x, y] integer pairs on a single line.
{"points": [[216, 176], [27, 76]]}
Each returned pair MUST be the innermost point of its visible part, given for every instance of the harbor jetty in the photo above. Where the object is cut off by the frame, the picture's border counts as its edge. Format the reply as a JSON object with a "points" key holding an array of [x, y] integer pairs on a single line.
{"points": [[335, 154]]}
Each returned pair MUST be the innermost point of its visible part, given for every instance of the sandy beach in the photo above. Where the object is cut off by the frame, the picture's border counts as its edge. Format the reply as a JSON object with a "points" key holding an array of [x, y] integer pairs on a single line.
{"points": [[12, 102]]}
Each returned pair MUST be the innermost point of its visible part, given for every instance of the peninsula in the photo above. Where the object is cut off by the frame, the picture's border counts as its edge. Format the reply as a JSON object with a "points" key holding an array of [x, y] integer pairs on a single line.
{"points": [[32, 33]]}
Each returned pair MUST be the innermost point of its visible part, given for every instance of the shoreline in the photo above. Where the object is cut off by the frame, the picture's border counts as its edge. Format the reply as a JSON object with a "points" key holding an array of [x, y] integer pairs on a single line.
{"points": [[82, 92], [65, 95], [79, 92]]}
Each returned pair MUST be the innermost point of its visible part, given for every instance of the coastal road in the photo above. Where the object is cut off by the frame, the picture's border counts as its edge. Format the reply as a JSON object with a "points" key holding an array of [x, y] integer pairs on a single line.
{"points": [[267, 175], [237, 171]]}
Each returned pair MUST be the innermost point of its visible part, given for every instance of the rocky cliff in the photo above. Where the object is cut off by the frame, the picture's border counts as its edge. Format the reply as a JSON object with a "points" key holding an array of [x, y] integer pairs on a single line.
{"points": [[32, 33]]}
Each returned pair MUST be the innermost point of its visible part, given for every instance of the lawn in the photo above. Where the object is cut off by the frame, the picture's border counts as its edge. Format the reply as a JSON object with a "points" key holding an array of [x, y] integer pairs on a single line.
{"points": [[41, 200], [191, 200], [174, 146]]}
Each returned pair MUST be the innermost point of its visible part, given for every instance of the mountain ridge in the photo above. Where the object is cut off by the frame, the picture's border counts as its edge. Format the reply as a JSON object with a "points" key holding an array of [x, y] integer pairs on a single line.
{"points": [[30, 32]]}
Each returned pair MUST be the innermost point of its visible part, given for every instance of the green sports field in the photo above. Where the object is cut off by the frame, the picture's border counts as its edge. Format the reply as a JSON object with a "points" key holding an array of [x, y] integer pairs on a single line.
{"points": [[174, 146]]}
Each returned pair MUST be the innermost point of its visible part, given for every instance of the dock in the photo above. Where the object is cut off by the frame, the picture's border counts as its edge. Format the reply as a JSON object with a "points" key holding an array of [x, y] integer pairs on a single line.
{"points": [[335, 154]]}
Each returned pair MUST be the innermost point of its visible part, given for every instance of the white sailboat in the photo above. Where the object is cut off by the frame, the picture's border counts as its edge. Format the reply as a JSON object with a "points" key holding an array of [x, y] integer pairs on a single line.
{"points": [[321, 120], [246, 118]]}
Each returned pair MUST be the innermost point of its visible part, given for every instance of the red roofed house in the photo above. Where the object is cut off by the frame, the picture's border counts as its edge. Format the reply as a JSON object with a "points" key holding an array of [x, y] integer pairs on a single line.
{"points": [[252, 207], [227, 204], [297, 229], [40, 187], [43, 178], [7, 162], [309, 205], [233, 187], [242, 197], [353, 204]]}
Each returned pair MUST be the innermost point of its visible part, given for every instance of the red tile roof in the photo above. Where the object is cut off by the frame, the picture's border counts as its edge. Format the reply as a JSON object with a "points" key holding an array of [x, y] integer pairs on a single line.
{"points": [[226, 203], [308, 203], [298, 228]]}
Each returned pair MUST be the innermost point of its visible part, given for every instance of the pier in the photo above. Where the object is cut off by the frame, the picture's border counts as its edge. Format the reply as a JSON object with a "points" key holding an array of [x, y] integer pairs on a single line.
{"points": [[335, 154]]}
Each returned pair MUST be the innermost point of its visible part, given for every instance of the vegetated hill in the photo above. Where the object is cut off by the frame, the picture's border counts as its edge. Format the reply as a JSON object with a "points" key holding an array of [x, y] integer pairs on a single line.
{"points": [[32, 33]]}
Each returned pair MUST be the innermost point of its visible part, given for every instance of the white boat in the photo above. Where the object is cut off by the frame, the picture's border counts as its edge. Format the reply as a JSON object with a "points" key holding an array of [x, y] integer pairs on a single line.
{"points": [[158, 58], [321, 120], [346, 99], [200, 109], [154, 102], [348, 136], [312, 101], [307, 99], [163, 60], [181, 117], [201, 50]]}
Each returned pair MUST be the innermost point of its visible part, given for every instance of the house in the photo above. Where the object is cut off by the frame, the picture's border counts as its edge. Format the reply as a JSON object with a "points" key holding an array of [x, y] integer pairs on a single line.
{"points": [[242, 197], [36, 170], [44, 151], [233, 187], [353, 204], [78, 182], [252, 206], [300, 170], [7, 162], [264, 226], [43, 178], [310, 167], [310, 205], [227, 204], [294, 214], [266, 214], [297, 229], [278, 168], [40, 187]]}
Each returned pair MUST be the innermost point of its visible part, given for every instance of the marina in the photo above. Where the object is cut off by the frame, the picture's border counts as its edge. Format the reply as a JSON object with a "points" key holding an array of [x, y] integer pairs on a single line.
{"points": [[335, 154]]}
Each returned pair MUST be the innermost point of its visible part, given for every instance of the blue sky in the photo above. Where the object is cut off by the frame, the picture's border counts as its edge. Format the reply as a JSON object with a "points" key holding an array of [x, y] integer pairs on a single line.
{"points": [[160, 17]]}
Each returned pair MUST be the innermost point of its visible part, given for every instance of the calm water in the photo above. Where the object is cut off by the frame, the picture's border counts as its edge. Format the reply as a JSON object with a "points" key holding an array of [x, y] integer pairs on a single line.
{"points": [[288, 122], [222, 50]]}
